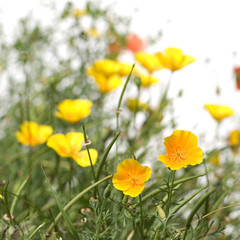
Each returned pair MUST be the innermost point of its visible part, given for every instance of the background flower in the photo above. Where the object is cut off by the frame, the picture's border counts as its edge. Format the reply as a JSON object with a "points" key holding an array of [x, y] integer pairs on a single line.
{"points": [[174, 59], [33, 134], [149, 61], [219, 112], [135, 43], [70, 146], [74, 111]]}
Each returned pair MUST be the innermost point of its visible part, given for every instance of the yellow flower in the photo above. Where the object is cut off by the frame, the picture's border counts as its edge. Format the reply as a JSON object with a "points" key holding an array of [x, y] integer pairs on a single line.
{"points": [[182, 150], [74, 111], [133, 103], [107, 67], [92, 32], [219, 112], [149, 61], [78, 12], [1, 196], [174, 59], [70, 146], [125, 69], [234, 138], [131, 177], [33, 134], [147, 80]]}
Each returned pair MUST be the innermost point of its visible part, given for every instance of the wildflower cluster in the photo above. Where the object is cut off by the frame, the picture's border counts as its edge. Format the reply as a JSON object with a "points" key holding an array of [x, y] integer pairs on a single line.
{"points": [[85, 153]]}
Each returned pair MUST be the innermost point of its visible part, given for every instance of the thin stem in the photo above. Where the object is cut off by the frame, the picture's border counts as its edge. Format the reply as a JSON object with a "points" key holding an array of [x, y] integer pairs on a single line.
{"points": [[170, 192], [90, 159], [141, 211], [119, 105]]}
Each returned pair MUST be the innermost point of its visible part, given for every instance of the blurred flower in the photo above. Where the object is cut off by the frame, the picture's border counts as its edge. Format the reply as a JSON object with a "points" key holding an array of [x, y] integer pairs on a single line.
{"points": [[174, 59], [219, 112], [149, 61], [70, 146], [134, 103], [146, 80], [107, 73], [107, 67], [125, 69], [237, 76], [107, 84], [78, 12], [215, 159], [135, 43], [182, 150], [92, 32], [33, 134], [234, 138], [1, 196], [130, 177], [74, 111]]}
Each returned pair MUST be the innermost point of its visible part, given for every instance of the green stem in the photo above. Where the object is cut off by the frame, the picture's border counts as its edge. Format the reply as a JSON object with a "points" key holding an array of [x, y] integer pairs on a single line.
{"points": [[170, 192], [194, 210], [90, 159], [74, 200], [105, 154], [141, 211], [119, 104]]}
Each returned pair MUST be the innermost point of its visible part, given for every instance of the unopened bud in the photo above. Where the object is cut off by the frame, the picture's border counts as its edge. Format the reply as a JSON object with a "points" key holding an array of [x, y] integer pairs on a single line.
{"points": [[107, 191], [161, 213]]}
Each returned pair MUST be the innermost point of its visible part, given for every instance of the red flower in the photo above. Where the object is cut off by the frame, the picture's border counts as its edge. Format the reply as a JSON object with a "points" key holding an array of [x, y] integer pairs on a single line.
{"points": [[135, 43], [237, 76]]}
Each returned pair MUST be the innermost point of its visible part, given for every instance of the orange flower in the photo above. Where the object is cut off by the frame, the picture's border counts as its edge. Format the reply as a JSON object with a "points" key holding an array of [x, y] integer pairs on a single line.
{"points": [[74, 111], [174, 59], [182, 150], [33, 134], [219, 112], [70, 146], [131, 177], [149, 61], [135, 43]]}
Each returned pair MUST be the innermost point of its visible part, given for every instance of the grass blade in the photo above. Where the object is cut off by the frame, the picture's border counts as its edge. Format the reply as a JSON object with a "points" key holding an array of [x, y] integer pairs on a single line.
{"points": [[70, 226]]}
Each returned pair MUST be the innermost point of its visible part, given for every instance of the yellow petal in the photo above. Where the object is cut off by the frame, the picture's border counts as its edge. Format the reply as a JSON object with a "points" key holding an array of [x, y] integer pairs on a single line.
{"points": [[195, 156], [134, 190], [44, 133], [75, 140], [128, 166], [82, 158], [59, 143], [121, 181], [149, 61], [74, 111]]}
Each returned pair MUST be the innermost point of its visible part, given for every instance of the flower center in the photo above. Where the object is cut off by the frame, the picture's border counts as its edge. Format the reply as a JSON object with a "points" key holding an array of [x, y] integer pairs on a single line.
{"points": [[178, 155]]}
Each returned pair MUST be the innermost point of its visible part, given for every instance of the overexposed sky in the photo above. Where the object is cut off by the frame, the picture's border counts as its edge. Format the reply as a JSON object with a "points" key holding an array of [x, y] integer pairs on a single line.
{"points": [[205, 29]]}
